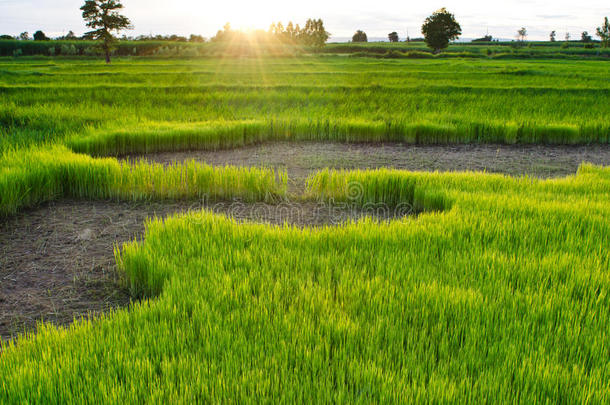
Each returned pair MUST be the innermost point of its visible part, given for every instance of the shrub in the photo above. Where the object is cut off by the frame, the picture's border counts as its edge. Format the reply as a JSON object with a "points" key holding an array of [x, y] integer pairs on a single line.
{"points": [[68, 50], [419, 55], [394, 55], [188, 52]]}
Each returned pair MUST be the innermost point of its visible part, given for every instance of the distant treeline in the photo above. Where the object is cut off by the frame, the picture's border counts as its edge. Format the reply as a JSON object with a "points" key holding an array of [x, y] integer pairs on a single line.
{"points": [[71, 36], [76, 48], [312, 33], [223, 47], [468, 49], [123, 48]]}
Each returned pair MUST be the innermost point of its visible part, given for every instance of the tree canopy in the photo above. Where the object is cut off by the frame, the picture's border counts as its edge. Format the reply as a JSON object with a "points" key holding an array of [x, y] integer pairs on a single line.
{"points": [[603, 33], [360, 36], [393, 36], [312, 34], [486, 38], [104, 18], [40, 36], [440, 28]]}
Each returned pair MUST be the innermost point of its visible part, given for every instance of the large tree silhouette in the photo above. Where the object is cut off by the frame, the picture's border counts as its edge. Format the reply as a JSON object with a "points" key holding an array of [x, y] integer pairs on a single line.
{"points": [[104, 18], [439, 29]]}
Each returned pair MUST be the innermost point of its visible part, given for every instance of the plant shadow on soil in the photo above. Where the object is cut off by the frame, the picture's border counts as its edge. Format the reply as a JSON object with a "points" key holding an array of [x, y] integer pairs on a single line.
{"points": [[57, 261]]}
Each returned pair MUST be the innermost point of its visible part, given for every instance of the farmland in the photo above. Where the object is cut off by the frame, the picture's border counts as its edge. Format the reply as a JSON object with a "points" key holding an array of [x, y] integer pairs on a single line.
{"points": [[488, 283], [335, 98]]}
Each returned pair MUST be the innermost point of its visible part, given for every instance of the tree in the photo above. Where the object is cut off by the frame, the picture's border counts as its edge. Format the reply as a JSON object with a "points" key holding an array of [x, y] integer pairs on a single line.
{"points": [[24, 36], [567, 36], [291, 32], [603, 33], [439, 29], [71, 36], [585, 37], [176, 38], [104, 18], [40, 36], [486, 38], [6, 37], [553, 36], [227, 33], [360, 36], [196, 38], [314, 33], [522, 34], [393, 36]]}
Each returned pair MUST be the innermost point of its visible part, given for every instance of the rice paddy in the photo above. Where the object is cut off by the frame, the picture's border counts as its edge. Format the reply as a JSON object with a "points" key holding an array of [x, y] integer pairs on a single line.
{"points": [[145, 105], [496, 291]]}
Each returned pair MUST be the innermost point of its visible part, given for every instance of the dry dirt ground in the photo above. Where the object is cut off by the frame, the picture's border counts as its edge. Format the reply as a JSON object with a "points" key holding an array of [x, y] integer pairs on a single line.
{"points": [[57, 263], [300, 159]]}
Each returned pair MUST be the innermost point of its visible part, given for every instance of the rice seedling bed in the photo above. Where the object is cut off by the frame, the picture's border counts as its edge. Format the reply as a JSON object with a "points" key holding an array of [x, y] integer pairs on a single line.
{"points": [[57, 261], [301, 159], [136, 106]]}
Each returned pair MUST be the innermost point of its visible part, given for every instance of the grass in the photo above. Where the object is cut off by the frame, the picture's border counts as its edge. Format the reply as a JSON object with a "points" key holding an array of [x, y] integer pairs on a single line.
{"points": [[146, 102], [496, 292], [503, 296], [40, 175], [388, 188]]}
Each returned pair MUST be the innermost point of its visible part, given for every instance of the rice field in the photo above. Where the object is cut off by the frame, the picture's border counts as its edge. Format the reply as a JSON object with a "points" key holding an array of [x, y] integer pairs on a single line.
{"points": [[496, 291], [148, 104]]}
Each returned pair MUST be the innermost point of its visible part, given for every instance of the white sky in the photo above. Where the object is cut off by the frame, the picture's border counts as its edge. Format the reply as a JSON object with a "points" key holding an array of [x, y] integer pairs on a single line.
{"points": [[341, 18]]}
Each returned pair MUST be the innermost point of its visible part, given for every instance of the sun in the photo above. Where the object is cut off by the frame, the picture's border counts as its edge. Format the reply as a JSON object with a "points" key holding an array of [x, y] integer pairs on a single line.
{"points": [[247, 15], [250, 19]]}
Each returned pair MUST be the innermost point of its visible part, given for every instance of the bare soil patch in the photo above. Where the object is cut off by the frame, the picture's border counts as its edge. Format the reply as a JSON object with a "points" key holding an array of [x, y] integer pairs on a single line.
{"points": [[57, 261], [302, 158]]}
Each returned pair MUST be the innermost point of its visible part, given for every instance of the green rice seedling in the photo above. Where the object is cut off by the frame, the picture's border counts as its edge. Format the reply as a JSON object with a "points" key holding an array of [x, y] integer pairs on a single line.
{"points": [[28, 178], [141, 106], [502, 294], [390, 187]]}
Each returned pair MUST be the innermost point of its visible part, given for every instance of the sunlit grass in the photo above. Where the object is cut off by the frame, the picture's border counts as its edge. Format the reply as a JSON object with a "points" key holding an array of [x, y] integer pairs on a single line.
{"points": [[496, 292], [28, 178], [502, 295], [414, 101]]}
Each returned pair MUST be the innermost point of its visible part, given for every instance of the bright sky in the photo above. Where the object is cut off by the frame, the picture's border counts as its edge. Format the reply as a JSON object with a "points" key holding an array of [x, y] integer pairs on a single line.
{"points": [[341, 18]]}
